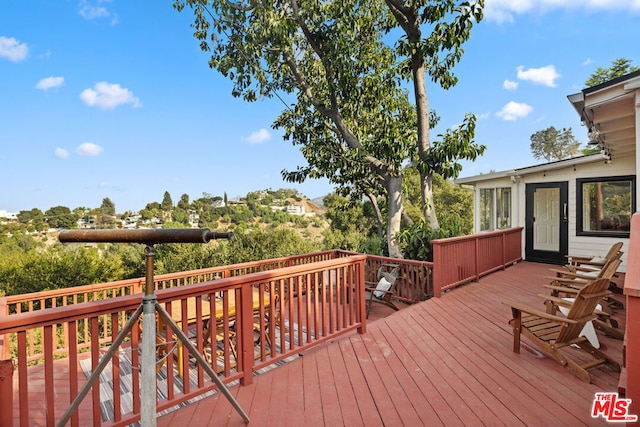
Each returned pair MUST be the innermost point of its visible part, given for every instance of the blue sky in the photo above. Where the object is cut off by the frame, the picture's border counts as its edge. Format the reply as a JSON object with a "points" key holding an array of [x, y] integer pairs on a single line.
{"points": [[115, 99]]}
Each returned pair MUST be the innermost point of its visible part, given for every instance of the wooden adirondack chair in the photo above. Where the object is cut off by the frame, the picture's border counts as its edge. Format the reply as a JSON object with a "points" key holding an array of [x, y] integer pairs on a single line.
{"points": [[594, 261], [570, 284], [383, 291], [553, 333]]}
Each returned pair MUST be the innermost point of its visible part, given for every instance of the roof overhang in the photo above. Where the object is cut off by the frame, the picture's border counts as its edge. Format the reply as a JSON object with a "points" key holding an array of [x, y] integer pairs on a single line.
{"points": [[545, 167], [609, 113]]}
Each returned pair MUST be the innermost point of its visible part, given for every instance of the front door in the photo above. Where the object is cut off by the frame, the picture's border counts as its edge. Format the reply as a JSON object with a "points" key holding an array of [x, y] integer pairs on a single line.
{"points": [[547, 222]]}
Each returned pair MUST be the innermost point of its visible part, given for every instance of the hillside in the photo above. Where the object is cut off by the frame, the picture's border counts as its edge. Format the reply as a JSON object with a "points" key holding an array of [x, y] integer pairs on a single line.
{"points": [[309, 205]]}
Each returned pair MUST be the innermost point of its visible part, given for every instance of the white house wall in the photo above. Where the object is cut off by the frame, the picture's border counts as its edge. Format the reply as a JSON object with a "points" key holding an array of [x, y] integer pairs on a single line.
{"points": [[578, 245]]}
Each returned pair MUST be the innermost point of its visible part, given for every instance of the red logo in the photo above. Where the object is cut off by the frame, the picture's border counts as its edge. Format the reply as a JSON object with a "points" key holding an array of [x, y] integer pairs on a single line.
{"points": [[612, 408]]}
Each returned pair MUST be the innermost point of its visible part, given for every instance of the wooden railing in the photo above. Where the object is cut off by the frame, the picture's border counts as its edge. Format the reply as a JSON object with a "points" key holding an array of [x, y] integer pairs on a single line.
{"points": [[298, 307], [459, 260], [414, 285], [96, 292]]}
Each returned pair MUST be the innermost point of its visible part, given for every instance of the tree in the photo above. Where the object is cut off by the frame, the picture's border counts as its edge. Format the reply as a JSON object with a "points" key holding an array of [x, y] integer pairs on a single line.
{"points": [[352, 118], [184, 202], [619, 67], [107, 207], [33, 218], [60, 217], [552, 144], [167, 203]]}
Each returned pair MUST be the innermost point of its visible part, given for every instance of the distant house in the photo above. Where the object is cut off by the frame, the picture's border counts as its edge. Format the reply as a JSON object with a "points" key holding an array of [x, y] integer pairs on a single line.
{"points": [[294, 209], [87, 222], [8, 216], [579, 205], [194, 218]]}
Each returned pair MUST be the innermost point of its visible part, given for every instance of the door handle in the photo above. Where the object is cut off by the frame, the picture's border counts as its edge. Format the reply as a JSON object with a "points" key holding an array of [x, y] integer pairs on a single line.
{"points": [[564, 212]]}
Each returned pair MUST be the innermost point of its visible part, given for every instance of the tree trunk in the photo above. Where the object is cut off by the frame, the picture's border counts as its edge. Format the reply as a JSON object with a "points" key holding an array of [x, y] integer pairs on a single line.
{"points": [[374, 201], [394, 206], [424, 143]]}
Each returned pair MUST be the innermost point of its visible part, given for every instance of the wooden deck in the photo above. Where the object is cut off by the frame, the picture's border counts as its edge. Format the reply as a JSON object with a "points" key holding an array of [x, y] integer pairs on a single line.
{"points": [[446, 361]]}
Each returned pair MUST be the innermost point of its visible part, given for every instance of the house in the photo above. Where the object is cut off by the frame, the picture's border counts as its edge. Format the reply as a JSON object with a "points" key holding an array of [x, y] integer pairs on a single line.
{"points": [[580, 205]]}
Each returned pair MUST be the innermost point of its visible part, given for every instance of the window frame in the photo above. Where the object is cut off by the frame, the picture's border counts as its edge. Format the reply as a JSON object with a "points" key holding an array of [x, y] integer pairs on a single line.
{"points": [[580, 205], [492, 208], [491, 199]]}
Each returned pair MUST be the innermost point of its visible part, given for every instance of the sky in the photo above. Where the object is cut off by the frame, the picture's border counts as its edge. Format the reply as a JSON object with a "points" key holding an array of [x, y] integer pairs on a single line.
{"points": [[113, 98]]}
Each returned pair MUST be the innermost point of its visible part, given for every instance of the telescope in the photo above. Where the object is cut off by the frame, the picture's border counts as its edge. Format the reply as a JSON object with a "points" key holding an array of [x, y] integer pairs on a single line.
{"points": [[148, 237], [149, 307]]}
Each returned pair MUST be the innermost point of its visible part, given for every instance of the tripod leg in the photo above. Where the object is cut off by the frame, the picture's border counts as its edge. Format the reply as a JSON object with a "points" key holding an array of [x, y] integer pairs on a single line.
{"points": [[201, 360], [103, 363]]}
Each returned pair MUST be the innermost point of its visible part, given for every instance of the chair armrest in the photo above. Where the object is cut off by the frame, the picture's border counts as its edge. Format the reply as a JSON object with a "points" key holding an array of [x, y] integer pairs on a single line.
{"points": [[568, 281], [560, 302], [542, 314], [564, 289], [580, 258]]}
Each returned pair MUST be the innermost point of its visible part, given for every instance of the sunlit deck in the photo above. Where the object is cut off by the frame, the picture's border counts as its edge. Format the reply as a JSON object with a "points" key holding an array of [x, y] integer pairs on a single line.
{"points": [[446, 361]]}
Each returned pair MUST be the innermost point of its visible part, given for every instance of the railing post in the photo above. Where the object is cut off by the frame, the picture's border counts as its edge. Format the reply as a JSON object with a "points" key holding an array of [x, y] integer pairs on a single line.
{"points": [[360, 297], [437, 269], [5, 347], [246, 333], [6, 391]]}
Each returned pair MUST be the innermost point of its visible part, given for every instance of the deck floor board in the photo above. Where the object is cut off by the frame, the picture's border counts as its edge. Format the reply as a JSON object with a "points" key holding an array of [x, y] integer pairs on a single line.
{"points": [[446, 361]]}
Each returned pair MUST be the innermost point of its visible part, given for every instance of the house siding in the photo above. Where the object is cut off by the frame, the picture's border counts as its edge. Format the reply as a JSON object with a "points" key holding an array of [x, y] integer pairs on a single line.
{"points": [[578, 245]]}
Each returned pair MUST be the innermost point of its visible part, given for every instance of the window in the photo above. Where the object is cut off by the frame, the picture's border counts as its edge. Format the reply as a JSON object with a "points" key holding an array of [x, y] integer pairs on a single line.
{"points": [[495, 208], [605, 206], [486, 209], [503, 207]]}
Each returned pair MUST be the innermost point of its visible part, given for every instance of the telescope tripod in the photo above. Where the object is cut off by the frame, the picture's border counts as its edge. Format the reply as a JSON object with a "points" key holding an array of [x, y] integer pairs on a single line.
{"points": [[148, 388]]}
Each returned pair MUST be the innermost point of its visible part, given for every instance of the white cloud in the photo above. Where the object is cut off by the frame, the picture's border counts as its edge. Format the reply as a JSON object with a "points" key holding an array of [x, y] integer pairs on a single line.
{"points": [[259, 136], [12, 49], [514, 111], [97, 9], [483, 116], [545, 75], [88, 149], [504, 11], [510, 85], [108, 96], [587, 61], [61, 153], [50, 82]]}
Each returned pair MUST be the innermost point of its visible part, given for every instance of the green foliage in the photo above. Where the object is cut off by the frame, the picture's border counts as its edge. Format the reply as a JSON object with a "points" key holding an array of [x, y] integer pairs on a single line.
{"points": [[443, 158], [33, 218], [57, 268], [260, 244], [352, 117], [550, 144], [454, 203], [416, 240], [619, 67], [60, 217], [351, 227], [108, 207], [167, 203]]}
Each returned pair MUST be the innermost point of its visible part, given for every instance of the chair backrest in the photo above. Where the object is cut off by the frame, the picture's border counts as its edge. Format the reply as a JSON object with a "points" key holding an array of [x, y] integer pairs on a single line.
{"points": [[614, 251], [583, 308], [610, 268]]}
